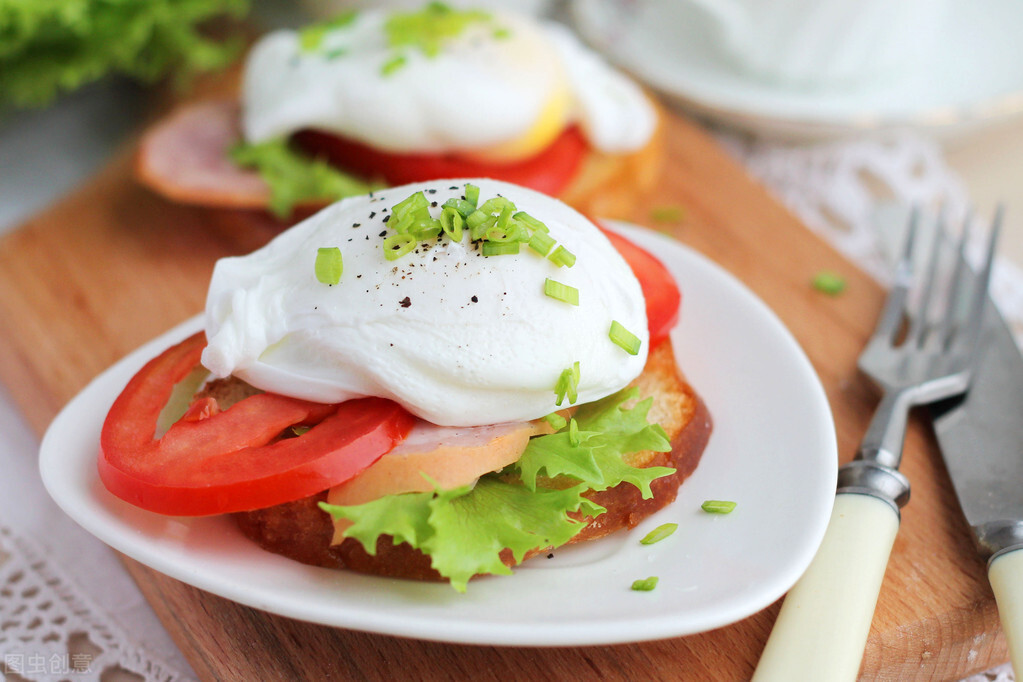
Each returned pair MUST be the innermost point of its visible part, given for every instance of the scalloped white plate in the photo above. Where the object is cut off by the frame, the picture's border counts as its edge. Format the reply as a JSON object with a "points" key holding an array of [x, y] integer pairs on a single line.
{"points": [[773, 451]]}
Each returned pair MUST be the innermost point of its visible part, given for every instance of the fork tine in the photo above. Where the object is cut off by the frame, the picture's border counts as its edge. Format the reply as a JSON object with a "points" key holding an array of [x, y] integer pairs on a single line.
{"points": [[947, 327], [920, 322], [983, 280], [891, 315]]}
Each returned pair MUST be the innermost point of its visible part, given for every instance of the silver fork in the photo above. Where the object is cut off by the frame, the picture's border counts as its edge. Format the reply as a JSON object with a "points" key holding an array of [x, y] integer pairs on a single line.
{"points": [[822, 629]]}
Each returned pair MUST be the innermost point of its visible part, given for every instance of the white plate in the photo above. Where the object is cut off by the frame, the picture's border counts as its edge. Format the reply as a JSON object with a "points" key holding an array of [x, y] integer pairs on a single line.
{"points": [[975, 79], [772, 450]]}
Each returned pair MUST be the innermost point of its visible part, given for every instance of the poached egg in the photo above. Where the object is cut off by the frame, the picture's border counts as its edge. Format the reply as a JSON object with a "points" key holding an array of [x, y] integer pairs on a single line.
{"points": [[492, 85], [456, 337]]}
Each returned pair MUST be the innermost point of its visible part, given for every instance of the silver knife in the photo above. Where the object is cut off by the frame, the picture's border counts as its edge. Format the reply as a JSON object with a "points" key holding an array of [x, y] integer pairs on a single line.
{"points": [[981, 440]]}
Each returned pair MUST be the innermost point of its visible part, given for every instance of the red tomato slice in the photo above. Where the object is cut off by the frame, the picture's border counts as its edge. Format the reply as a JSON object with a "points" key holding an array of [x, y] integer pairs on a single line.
{"points": [[663, 298], [549, 171], [219, 462]]}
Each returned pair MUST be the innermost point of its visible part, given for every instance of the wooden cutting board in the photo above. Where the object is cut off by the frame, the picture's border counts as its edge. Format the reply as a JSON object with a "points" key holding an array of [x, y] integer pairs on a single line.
{"points": [[112, 266]]}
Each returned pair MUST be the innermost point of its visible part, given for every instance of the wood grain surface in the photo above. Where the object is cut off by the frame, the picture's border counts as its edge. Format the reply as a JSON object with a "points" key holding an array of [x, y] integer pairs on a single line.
{"points": [[112, 266]]}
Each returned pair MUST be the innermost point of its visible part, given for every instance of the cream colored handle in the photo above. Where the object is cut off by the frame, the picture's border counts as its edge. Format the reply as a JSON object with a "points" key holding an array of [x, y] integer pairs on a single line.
{"points": [[1006, 576], [822, 628]]}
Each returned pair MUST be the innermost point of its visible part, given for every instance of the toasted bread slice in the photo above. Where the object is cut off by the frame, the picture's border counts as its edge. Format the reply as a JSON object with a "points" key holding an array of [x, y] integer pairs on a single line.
{"points": [[185, 157], [302, 531]]}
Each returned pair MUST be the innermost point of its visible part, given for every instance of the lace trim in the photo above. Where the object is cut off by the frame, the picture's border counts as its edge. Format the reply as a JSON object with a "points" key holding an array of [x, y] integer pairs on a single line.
{"points": [[49, 629]]}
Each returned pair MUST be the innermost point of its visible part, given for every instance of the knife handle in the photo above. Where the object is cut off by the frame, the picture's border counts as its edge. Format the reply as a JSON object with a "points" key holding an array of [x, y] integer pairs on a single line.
{"points": [[1006, 575], [824, 621]]}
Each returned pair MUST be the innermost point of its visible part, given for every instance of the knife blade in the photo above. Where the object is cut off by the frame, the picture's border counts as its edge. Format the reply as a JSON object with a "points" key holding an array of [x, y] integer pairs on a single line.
{"points": [[981, 440]]}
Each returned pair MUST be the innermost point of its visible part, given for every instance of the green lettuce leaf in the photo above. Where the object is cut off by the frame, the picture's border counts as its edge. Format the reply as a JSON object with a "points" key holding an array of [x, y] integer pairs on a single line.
{"points": [[607, 432], [464, 530], [294, 177], [52, 46]]}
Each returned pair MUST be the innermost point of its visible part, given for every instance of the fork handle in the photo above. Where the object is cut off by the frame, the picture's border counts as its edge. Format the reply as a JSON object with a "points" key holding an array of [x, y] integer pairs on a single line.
{"points": [[1006, 575], [822, 629]]}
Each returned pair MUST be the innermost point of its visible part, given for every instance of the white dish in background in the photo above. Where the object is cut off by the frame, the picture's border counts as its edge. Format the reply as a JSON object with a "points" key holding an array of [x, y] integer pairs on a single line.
{"points": [[773, 451], [975, 80]]}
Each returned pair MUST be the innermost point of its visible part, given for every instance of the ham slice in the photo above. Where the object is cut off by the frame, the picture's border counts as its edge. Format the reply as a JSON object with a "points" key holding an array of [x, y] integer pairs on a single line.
{"points": [[450, 456], [185, 157]]}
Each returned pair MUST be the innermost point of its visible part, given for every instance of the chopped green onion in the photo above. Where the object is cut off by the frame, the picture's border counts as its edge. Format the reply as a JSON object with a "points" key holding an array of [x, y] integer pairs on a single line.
{"points": [[472, 194], [623, 338], [573, 432], [392, 65], [556, 421], [568, 385], [478, 232], [496, 205], [451, 222], [828, 282], [500, 248], [463, 206], [429, 28], [718, 506], [645, 585], [561, 292], [657, 534], [541, 242], [531, 222], [426, 228], [410, 206], [667, 214], [397, 245], [329, 264], [311, 37], [562, 256]]}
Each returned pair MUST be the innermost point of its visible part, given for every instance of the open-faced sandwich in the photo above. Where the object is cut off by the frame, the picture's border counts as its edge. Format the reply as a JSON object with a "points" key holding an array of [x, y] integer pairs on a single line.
{"points": [[374, 98], [433, 381]]}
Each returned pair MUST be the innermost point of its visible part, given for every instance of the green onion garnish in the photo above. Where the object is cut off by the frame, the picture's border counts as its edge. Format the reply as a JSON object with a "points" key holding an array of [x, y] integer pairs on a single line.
{"points": [[397, 245], [500, 248], [573, 432], [472, 194], [451, 222], [828, 282], [541, 242], [392, 65], [311, 37], [561, 292], [622, 337], [562, 256], [568, 385], [657, 534], [556, 421], [667, 214], [329, 264], [462, 206], [718, 506], [429, 28], [645, 585]]}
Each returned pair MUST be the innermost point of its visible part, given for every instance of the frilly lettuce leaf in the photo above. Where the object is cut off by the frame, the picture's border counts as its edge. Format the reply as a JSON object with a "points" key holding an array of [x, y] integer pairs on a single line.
{"points": [[607, 432], [464, 530], [294, 177], [52, 46]]}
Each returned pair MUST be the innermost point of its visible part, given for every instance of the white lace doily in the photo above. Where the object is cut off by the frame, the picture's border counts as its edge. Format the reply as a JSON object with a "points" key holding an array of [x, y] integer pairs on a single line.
{"points": [[50, 629]]}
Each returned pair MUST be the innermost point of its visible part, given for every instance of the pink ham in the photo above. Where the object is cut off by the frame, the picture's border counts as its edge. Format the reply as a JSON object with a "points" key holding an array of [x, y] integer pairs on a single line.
{"points": [[185, 157]]}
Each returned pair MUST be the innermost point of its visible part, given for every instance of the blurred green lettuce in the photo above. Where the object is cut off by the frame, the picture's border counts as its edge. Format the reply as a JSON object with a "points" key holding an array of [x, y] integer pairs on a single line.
{"points": [[48, 47]]}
